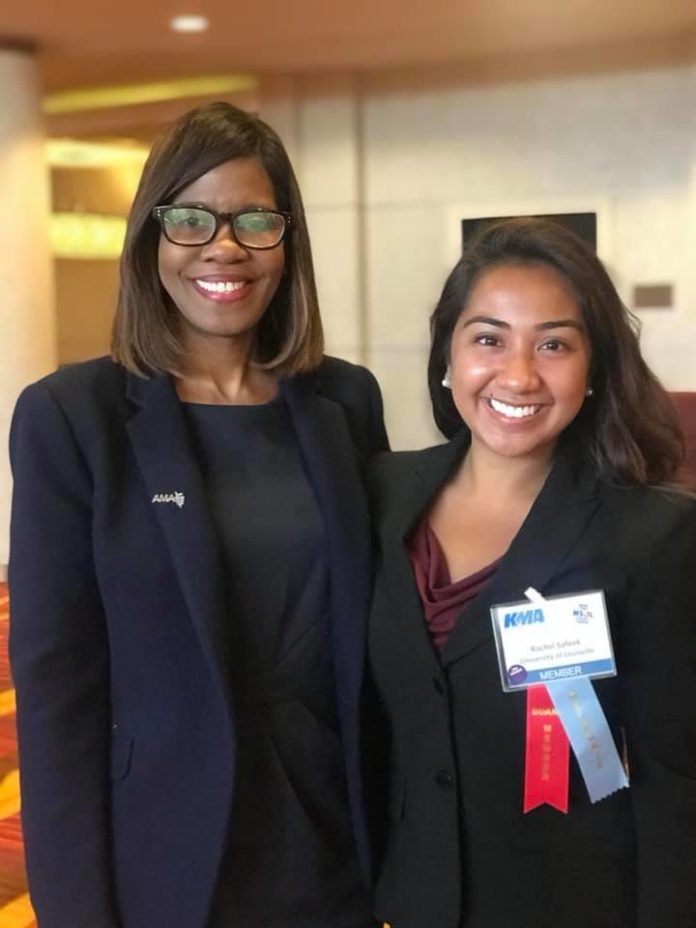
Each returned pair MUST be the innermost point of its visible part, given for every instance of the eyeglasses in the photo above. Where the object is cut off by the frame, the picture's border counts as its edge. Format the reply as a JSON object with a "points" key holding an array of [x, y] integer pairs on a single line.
{"points": [[253, 227]]}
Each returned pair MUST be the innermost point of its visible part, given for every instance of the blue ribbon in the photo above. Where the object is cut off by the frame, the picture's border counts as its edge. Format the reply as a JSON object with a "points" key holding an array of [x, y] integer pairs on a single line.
{"points": [[590, 737]]}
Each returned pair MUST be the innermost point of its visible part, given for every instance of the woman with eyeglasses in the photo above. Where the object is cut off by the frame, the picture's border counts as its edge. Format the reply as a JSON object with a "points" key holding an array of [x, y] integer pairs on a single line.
{"points": [[189, 571], [521, 792]]}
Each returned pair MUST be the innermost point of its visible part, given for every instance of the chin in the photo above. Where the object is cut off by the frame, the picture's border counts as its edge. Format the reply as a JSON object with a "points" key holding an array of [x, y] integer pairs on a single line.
{"points": [[519, 449]]}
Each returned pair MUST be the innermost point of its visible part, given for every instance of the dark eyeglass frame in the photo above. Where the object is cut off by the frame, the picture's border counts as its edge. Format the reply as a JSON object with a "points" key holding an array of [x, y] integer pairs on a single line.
{"points": [[222, 219]]}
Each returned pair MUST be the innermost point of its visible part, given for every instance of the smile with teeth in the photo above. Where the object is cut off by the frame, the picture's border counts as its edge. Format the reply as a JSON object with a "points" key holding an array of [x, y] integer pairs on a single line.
{"points": [[513, 412], [220, 286]]}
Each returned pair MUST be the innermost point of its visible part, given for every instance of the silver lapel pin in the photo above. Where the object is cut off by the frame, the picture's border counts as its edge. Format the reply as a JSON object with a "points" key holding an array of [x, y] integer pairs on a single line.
{"points": [[177, 498]]}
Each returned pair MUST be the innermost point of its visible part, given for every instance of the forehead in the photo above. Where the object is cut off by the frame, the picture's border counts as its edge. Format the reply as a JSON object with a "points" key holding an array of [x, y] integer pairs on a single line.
{"points": [[521, 294], [231, 185]]}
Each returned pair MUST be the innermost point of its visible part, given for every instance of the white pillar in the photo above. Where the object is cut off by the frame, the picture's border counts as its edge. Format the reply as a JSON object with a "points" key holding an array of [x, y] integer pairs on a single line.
{"points": [[27, 318]]}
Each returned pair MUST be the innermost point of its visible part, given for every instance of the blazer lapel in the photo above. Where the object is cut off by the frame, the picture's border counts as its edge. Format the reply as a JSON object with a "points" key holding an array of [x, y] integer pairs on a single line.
{"points": [[432, 469], [165, 456], [332, 469], [554, 525]]}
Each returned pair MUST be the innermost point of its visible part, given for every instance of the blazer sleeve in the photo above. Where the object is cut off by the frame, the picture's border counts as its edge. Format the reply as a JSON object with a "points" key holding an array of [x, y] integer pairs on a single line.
{"points": [[59, 658], [659, 692]]}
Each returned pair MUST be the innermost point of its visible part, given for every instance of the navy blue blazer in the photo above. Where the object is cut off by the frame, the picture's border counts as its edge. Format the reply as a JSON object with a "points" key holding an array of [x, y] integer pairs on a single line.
{"points": [[459, 850], [118, 638]]}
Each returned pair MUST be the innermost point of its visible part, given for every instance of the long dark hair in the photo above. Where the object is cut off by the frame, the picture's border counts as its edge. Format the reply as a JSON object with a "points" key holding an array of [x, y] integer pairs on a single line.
{"points": [[146, 327], [629, 425]]}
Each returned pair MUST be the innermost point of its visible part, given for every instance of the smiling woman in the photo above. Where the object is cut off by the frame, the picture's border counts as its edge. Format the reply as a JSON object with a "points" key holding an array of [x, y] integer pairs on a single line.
{"points": [[544, 492], [188, 666]]}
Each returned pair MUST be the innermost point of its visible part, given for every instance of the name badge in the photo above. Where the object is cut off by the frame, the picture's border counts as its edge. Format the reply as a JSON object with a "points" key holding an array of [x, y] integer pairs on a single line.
{"points": [[542, 641], [553, 648]]}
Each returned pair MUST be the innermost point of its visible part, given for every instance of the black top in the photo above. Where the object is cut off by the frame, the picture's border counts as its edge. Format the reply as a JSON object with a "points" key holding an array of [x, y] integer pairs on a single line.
{"points": [[290, 859]]}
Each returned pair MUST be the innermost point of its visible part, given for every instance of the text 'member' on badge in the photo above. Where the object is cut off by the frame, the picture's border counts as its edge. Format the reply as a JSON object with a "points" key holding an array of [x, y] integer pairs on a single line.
{"points": [[547, 640]]}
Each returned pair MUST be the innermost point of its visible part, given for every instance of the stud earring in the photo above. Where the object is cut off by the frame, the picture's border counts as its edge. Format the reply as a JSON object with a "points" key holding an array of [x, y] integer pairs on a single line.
{"points": [[589, 392], [447, 380]]}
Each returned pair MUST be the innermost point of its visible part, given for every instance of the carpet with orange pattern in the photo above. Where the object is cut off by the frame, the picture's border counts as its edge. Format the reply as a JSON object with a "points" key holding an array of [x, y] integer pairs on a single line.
{"points": [[15, 910]]}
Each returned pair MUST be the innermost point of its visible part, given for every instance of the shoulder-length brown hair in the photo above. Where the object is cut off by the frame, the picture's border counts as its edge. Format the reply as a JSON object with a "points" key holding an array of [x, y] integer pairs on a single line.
{"points": [[146, 334], [629, 425]]}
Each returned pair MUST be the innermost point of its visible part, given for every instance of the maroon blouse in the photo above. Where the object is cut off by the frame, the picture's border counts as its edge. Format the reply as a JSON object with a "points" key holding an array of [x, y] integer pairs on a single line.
{"points": [[442, 600]]}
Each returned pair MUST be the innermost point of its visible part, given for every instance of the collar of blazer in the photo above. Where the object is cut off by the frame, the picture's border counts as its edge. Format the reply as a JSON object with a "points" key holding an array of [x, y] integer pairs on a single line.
{"points": [[166, 458], [553, 527]]}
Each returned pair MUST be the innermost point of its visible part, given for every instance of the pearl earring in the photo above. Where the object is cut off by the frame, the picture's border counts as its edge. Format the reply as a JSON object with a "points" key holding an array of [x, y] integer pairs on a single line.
{"points": [[446, 380], [589, 392]]}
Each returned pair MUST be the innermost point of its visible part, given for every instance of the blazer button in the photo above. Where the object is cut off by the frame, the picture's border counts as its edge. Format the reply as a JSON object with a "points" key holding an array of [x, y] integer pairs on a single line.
{"points": [[439, 685], [444, 779]]}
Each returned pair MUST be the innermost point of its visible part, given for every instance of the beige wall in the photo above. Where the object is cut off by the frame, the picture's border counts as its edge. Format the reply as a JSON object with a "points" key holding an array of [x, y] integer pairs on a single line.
{"points": [[388, 173]]}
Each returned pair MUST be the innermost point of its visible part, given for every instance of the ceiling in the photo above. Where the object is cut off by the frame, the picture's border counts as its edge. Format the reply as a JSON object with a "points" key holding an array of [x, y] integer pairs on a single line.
{"points": [[84, 43]]}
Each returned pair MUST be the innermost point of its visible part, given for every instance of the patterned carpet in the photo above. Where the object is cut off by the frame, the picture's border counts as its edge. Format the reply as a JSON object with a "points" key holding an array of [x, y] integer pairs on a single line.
{"points": [[15, 910]]}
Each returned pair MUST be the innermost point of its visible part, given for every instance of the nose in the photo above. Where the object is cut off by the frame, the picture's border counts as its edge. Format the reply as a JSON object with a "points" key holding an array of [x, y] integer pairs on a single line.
{"points": [[518, 372], [224, 247]]}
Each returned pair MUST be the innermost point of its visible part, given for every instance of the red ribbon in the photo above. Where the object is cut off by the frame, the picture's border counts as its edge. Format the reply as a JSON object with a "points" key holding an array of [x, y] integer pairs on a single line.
{"points": [[546, 754]]}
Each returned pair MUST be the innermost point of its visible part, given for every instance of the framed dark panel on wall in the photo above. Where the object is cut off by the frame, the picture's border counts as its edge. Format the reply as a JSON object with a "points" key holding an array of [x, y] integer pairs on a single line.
{"points": [[584, 225]]}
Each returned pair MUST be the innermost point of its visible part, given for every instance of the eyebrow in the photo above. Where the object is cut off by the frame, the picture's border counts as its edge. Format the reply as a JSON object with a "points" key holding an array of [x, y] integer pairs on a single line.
{"points": [[541, 327]]}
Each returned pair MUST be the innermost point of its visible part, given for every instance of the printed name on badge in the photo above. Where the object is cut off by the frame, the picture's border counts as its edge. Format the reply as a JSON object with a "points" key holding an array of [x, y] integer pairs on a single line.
{"points": [[545, 640]]}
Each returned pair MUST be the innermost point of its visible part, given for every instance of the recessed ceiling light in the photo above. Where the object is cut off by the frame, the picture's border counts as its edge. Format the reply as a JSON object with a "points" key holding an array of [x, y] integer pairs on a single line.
{"points": [[189, 23]]}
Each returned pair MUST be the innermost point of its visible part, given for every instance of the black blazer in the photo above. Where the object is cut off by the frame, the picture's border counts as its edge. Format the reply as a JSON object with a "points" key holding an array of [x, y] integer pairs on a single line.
{"points": [[459, 850], [118, 639]]}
